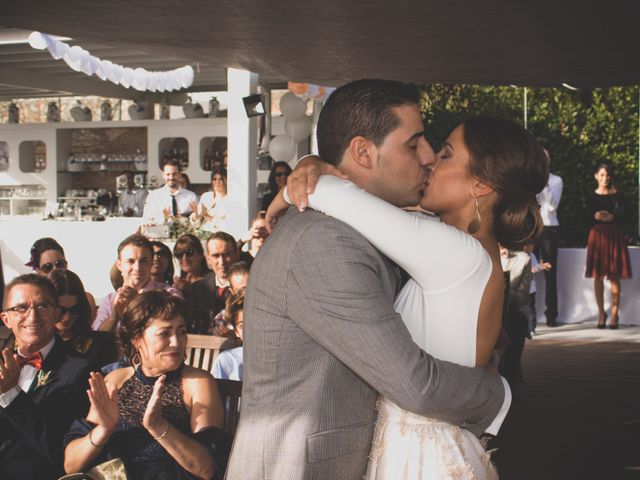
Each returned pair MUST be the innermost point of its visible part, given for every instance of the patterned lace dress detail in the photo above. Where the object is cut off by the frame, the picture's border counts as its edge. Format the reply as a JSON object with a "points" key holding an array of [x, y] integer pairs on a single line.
{"points": [[144, 457]]}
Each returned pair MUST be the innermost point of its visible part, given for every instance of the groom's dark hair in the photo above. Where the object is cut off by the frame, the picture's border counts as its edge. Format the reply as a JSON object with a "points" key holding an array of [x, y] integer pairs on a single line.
{"points": [[361, 108]]}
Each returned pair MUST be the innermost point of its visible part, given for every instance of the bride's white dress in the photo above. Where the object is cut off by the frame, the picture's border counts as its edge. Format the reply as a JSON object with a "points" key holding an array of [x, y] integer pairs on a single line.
{"points": [[449, 272]]}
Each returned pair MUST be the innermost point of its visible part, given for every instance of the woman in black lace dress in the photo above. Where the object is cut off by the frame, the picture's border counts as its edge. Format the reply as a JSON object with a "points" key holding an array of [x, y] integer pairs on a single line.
{"points": [[607, 252], [161, 417]]}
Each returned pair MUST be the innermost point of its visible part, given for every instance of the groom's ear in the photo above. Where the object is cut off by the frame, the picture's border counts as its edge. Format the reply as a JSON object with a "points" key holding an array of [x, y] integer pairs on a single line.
{"points": [[363, 151]]}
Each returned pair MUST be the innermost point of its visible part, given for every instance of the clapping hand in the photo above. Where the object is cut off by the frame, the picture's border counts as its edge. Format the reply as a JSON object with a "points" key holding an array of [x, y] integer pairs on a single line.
{"points": [[153, 419], [9, 370], [124, 295], [104, 411]]}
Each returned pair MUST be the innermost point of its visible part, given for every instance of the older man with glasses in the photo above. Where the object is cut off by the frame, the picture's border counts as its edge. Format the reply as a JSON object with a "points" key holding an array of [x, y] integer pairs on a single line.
{"points": [[42, 387]]}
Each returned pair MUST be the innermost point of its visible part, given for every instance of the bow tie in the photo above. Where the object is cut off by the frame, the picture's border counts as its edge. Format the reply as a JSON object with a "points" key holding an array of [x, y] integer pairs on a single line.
{"points": [[34, 360]]}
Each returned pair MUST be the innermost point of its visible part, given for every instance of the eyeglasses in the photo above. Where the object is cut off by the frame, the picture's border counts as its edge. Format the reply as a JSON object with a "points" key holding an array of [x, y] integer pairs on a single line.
{"points": [[188, 253], [73, 311], [160, 254], [58, 265], [282, 174], [22, 309]]}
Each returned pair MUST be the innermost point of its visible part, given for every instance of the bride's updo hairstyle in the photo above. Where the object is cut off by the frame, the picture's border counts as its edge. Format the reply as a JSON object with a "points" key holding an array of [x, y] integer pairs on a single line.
{"points": [[510, 160]]}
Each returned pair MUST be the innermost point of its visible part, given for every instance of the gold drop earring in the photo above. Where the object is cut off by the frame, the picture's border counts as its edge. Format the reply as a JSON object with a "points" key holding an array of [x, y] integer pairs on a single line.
{"points": [[474, 225]]}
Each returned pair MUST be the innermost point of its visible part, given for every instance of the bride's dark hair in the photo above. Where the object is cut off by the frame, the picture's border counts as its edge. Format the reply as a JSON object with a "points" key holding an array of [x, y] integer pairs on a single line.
{"points": [[510, 160]]}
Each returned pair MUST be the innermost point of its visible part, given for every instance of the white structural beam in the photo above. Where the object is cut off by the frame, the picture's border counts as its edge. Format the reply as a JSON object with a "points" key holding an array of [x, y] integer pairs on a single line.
{"points": [[242, 152]]}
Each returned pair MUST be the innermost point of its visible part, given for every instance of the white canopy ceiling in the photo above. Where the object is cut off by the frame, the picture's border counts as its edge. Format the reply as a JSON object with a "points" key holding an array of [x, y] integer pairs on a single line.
{"points": [[526, 42]]}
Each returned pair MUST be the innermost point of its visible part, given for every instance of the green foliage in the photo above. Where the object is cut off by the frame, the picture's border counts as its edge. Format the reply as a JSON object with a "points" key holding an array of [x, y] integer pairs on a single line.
{"points": [[181, 226], [580, 129]]}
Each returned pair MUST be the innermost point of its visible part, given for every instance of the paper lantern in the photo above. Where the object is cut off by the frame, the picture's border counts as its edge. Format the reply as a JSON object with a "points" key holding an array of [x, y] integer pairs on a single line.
{"points": [[298, 130], [282, 148], [292, 107]]}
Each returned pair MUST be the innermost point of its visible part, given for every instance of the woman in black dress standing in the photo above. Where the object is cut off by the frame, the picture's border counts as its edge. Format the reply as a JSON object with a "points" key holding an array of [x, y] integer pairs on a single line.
{"points": [[607, 252]]}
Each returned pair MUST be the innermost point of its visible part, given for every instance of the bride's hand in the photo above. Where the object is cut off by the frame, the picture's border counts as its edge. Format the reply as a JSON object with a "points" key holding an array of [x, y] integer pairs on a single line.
{"points": [[276, 209], [302, 181]]}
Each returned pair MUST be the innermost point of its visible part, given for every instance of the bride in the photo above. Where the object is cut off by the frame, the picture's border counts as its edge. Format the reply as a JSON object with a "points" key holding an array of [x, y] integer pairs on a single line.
{"points": [[483, 188]]}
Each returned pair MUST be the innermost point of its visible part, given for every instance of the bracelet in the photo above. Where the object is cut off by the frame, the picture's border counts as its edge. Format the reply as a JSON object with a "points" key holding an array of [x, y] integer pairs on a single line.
{"points": [[166, 430], [95, 445]]}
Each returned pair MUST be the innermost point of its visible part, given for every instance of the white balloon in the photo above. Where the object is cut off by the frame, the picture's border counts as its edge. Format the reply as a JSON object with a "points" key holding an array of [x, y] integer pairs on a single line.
{"points": [[115, 72], [186, 75], [299, 129], [37, 41], [292, 107], [103, 69], [88, 63], [58, 49], [282, 148], [152, 81], [140, 79], [127, 77], [73, 57]]}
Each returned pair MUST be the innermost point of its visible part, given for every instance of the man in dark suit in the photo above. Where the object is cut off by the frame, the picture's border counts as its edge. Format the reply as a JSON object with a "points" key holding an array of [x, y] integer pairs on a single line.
{"points": [[42, 387], [208, 295]]}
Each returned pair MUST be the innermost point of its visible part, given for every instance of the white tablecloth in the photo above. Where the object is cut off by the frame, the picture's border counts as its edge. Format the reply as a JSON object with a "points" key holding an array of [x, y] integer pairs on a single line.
{"points": [[576, 300]]}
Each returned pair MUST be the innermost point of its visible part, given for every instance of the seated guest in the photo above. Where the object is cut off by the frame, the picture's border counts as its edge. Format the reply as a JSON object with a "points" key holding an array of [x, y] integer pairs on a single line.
{"points": [[74, 326], [134, 262], [238, 278], [160, 416], [161, 266], [277, 180], [47, 255], [258, 233], [228, 364], [42, 386], [193, 266], [209, 294]]}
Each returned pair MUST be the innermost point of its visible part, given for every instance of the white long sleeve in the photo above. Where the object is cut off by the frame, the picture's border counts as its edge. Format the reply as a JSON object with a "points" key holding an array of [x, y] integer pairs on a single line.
{"points": [[549, 200], [411, 239]]}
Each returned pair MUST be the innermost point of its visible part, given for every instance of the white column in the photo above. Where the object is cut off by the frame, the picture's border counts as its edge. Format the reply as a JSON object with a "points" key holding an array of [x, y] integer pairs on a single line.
{"points": [[242, 152]]}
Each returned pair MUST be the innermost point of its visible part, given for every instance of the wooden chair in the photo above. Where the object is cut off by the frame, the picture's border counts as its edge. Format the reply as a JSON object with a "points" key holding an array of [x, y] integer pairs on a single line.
{"points": [[230, 392], [202, 350]]}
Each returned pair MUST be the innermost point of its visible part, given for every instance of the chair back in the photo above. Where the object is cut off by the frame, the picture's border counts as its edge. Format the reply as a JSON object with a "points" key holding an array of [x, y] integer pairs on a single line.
{"points": [[202, 350], [230, 392]]}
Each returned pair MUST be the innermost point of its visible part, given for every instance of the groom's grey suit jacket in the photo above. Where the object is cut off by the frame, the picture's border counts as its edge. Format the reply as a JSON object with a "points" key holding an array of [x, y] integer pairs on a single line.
{"points": [[321, 340]]}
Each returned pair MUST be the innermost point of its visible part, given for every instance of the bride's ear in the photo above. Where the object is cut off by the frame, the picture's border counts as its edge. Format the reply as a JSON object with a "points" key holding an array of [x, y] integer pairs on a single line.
{"points": [[363, 151], [480, 189]]}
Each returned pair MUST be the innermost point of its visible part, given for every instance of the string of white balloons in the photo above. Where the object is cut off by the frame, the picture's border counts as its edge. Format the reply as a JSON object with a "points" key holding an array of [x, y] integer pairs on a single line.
{"points": [[140, 79]]}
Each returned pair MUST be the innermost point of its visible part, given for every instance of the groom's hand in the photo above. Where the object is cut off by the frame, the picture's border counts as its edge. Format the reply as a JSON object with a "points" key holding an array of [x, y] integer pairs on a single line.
{"points": [[302, 181]]}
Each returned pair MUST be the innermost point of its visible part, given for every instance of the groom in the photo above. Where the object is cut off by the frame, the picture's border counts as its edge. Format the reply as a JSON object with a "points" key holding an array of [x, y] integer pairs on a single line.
{"points": [[321, 338]]}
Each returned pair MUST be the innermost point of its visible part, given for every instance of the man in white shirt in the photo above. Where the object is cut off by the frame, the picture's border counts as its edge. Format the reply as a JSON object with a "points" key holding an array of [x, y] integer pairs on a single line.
{"points": [[169, 201], [547, 244], [42, 387]]}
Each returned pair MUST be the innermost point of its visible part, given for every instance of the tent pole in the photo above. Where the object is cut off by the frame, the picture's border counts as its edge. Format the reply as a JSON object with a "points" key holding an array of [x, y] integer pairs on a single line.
{"points": [[525, 108]]}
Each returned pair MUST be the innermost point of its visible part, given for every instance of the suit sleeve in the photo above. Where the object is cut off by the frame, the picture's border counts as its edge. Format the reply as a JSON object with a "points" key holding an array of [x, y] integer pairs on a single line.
{"points": [[419, 244], [44, 424], [336, 297]]}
